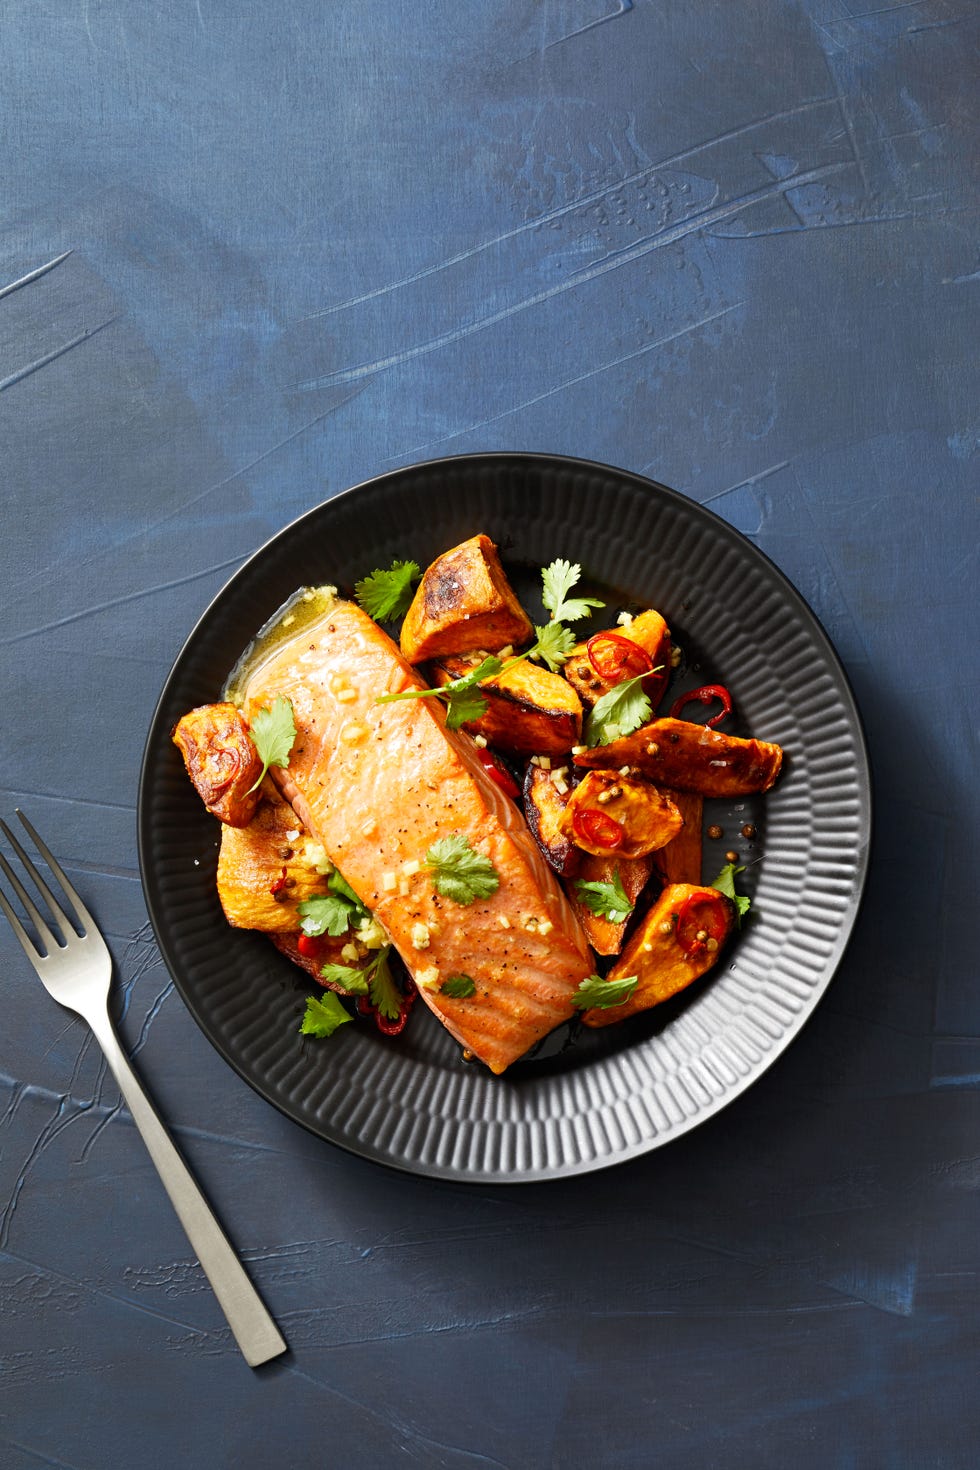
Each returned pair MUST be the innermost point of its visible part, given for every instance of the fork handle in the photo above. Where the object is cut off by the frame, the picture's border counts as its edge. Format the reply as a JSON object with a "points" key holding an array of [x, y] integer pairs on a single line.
{"points": [[254, 1330]]}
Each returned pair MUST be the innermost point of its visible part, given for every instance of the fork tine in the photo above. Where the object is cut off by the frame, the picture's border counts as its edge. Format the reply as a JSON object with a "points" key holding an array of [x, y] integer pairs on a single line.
{"points": [[37, 918], [81, 912], [20, 931], [57, 913]]}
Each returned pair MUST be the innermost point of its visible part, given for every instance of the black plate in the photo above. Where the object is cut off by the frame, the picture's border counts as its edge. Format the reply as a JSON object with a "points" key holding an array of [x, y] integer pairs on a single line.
{"points": [[585, 1100]]}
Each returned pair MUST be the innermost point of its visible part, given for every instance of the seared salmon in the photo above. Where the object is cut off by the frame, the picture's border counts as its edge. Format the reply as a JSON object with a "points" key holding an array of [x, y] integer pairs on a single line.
{"points": [[377, 785]]}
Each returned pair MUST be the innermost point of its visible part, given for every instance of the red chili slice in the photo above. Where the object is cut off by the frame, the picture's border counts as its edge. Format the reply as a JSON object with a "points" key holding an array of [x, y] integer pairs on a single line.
{"points": [[385, 1026], [701, 918], [498, 774], [310, 946], [705, 694], [279, 883], [597, 829], [615, 657]]}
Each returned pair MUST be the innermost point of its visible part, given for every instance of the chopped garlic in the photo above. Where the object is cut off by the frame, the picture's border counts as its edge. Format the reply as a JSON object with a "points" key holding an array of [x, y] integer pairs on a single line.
{"points": [[624, 619], [411, 868], [503, 921], [292, 835], [545, 926], [480, 741], [350, 953], [388, 882], [579, 749], [371, 934], [420, 936], [347, 696], [531, 924], [353, 733], [428, 979], [560, 786], [507, 652], [369, 829], [544, 761], [403, 887]]}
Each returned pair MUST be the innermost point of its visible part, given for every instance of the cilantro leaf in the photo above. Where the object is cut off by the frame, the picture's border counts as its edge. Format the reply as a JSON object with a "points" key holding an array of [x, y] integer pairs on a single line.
{"points": [[462, 696], [328, 913], [323, 1015], [333, 912], [725, 883], [339, 885], [461, 873], [387, 595], [619, 712], [558, 580], [554, 645], [458, 987], [603, 994], [607, 900], [464, 705], [349, 976], [273, 732], [385, 995]]}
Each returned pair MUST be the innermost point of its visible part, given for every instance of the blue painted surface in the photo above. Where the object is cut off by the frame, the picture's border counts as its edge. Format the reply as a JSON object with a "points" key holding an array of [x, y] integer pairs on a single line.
{"points": [[731, 246]]}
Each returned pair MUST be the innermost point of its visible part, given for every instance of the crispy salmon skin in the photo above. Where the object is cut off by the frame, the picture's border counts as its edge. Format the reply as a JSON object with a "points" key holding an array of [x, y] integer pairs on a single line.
{"points": [[377, 785]]}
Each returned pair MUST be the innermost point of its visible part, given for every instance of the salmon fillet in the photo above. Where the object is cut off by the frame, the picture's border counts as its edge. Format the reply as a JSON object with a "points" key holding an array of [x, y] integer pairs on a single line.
{"points": [[377, 785]]}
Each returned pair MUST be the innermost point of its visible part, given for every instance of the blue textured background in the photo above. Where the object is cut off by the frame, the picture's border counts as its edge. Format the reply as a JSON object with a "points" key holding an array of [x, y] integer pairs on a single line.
{"points": [[731, 245]]}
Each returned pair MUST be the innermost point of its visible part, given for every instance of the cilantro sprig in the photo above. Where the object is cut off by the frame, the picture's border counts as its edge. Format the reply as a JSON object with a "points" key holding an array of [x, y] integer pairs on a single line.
{"points": [[463, 698], [553, 644], [606, 900], [460, 872], [598, 994], [385, 595], [620, 711], [725, 883], [324, 1013], [273, 732], [333, 912], [559, 578]]}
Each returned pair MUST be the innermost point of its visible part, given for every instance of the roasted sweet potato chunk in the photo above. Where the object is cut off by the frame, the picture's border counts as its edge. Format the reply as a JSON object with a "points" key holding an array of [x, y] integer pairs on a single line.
{"points": [[690, 757], [312, 957], [544, 807], [221, 761], [627, 815], [676, 943], [464, 601], [265, 870], [679, 861], [611, 653], [605, 934], [529, 710]]}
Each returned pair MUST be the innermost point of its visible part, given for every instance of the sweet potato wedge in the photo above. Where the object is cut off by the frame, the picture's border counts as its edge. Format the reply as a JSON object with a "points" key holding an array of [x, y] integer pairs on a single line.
{"points": [[544, 807], [680, 860], [529, 710], [650, 632], [221, 761], [677, 753], [676, 943], [264, 870], [327, 951], [626, 814], [605, 934], [464, 601]]}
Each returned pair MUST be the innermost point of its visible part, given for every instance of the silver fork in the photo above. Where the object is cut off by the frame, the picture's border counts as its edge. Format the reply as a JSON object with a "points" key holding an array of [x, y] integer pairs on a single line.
{"points": [[77, 972]]}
